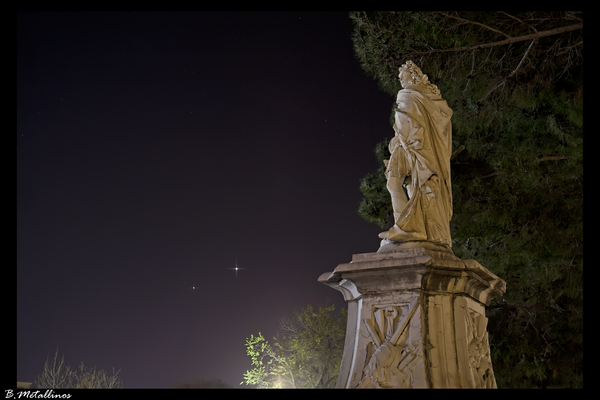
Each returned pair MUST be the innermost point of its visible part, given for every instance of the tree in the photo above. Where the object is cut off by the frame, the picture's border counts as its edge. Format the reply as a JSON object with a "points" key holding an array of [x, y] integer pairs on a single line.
{"points": [[307, 353], [58, 375], [515, 83]]}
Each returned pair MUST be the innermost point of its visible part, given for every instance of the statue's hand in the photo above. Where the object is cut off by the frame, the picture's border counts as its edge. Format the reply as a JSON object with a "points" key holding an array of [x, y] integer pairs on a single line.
{"points": [[385, 162]]}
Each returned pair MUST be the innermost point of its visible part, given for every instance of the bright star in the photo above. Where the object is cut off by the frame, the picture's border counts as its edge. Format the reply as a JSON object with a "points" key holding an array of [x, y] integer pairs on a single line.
{"points": [[236, 269]]}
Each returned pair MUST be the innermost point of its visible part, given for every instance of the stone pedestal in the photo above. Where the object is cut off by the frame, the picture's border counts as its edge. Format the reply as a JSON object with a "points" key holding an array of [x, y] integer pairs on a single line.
{"points": [[416, 318]]}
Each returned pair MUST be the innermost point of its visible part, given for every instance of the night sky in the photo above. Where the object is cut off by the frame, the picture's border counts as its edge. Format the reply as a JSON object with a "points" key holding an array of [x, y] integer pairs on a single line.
{"points": [[156, 150]]}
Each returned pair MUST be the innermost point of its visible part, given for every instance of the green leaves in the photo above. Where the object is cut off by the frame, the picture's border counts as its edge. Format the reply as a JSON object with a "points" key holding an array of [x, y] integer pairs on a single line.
{"points": [[307, 354], [270, 365]]}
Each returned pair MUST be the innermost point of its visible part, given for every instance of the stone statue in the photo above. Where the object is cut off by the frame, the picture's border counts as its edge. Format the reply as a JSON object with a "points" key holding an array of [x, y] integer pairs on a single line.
{"points": [[420, 162]]}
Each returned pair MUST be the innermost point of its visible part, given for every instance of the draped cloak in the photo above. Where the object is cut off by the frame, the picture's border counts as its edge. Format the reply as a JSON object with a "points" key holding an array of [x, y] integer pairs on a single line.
{"points": [[421, 149]]}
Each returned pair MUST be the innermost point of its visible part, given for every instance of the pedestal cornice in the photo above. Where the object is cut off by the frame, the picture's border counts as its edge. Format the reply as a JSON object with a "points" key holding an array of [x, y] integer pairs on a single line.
{"points": [[418, 269]]}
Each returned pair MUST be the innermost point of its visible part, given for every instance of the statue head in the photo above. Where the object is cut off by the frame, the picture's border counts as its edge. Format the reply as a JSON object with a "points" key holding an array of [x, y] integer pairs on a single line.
{"points": [[410, 74]]}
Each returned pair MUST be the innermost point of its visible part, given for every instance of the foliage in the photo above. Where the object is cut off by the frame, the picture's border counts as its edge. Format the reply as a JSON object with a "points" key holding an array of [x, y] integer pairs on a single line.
{"points": [[307, 353], [58, 375], [515, 83], [376, 205]]}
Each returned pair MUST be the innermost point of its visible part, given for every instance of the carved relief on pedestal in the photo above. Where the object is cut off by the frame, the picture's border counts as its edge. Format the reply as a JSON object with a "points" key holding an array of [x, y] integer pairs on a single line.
{"points": [[416, 319], [393, 354], [473, 340], [479, 351]]}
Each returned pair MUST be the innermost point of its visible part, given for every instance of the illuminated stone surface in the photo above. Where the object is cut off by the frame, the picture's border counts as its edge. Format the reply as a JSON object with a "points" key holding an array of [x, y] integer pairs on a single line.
{"points": [[420, 162], [416, 319]]}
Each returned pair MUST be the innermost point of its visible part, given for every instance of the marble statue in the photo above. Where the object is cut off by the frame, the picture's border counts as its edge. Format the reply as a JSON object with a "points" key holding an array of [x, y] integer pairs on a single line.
{"points": [[420, 162], [416, 311]]}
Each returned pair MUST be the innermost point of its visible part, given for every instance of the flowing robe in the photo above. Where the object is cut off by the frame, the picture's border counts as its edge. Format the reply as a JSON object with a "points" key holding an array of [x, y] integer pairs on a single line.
{"points": [[421, 150]]}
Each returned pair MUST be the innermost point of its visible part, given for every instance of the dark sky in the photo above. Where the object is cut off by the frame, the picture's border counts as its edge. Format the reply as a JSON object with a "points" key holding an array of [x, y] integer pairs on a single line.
{"points": [[154, 150]]}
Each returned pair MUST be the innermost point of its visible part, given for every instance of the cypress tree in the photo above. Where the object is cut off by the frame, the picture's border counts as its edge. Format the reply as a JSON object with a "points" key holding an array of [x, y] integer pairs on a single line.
{"points": [[515, 83]]}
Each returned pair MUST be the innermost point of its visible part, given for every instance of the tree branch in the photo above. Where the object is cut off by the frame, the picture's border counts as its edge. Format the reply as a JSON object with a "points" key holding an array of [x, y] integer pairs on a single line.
{"points": [[522, 59], [470, 73], [552, 158], [570, 47], [458, 150], [520, 20], [492, 174], [476, 23], [512, 73], [516, 39]]}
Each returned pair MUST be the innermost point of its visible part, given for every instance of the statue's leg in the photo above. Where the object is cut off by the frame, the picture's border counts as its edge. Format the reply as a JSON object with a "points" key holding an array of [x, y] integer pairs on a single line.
{"points": [[409, 186], [399, 199]]}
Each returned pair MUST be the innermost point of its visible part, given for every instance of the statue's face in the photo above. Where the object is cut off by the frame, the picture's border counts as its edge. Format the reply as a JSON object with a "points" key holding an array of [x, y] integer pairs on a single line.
{"points": [[404, 77]]}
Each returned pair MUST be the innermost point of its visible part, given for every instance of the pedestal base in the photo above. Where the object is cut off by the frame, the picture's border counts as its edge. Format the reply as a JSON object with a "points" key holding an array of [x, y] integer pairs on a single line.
{"points": [[416, 319]]}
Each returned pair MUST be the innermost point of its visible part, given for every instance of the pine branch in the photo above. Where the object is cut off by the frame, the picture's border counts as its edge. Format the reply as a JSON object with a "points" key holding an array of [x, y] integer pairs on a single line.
{"points": [[455, 153], [516, 39], [520, 20], [512, 73], [552, 158], [492, 174], [476, 23], [565, 49]]}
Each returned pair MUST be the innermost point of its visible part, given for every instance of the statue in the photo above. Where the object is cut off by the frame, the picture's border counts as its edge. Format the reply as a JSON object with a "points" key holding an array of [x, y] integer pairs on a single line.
{"points": [[416, 312], [420, 161]]}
